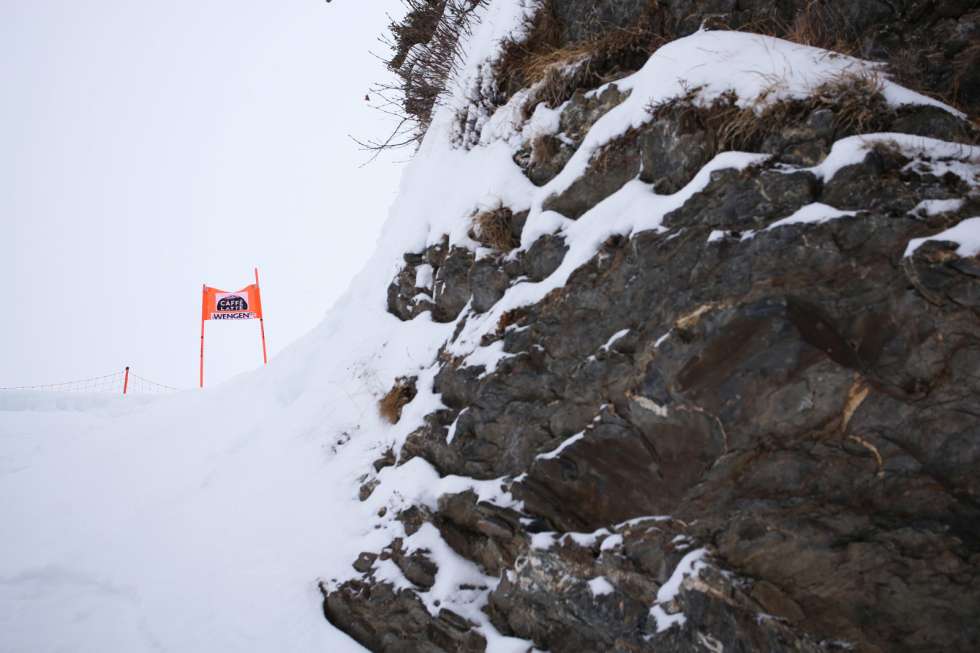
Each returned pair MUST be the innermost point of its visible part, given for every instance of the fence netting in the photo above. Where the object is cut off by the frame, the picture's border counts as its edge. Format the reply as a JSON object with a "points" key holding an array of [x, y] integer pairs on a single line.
{"points": [[109, 384]]}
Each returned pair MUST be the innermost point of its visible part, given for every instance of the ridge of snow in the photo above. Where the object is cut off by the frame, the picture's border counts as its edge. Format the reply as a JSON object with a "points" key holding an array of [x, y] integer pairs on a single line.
{"points": [[716, 62], [936, 207], [966, 235], [600, 586], [853, 149], [547, 539], [690, 565], [423, 276], [813, 213], [611, 542], [554, 453], [613, 338]]}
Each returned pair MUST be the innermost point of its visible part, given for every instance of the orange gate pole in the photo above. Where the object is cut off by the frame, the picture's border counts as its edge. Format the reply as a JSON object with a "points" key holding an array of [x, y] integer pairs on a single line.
{"points": [[265, 358], [126, 381], [204, 292]]}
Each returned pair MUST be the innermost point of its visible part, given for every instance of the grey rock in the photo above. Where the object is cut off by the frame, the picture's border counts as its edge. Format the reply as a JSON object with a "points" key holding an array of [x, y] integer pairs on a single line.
{"points": [[745, 199], [488, 283], [547, 599], [547, 157], [607, 172], [544, 257], [396, 621], [670, 158], [417, 568], [802, 402], [583, 20], [367, 489], [451, 287], [365, 562], [491, 536]]}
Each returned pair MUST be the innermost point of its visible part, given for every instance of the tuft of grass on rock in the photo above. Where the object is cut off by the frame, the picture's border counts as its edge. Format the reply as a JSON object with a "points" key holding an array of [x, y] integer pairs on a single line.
{"points": [[854, 98], [494, 229], [542, 58], [391, 405]]}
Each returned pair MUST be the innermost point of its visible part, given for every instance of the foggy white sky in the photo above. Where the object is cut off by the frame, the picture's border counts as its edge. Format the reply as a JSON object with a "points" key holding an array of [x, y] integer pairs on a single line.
{"points": [[147, 148]]}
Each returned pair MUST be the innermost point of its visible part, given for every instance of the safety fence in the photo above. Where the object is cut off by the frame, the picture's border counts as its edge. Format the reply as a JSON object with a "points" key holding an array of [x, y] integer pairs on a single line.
{"points": [[123, 382]]}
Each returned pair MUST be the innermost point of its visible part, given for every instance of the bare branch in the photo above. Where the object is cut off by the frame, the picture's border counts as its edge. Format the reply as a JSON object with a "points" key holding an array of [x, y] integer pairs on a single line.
{"points": [[426, 52]]}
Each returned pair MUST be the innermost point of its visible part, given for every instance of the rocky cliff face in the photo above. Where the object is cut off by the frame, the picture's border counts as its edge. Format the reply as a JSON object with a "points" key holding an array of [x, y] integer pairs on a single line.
{"points": [[722, 401]]}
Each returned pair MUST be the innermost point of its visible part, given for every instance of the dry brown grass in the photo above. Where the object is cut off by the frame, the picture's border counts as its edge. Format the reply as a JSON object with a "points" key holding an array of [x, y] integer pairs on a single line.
{"points": [[562, 68], [391, 405], [821, 25], [426, 51], [542, 35], [966, 60], [493, 229], [908, 68], [855, 98], [507, 318]]}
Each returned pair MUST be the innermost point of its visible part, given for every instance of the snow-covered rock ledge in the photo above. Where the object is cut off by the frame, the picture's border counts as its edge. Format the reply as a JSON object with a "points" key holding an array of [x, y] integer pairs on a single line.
{"points": [[681, 330]]}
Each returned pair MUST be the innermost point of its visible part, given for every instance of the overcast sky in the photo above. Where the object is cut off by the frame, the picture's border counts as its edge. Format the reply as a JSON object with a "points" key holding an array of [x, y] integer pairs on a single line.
{"points": [[148, 148]]}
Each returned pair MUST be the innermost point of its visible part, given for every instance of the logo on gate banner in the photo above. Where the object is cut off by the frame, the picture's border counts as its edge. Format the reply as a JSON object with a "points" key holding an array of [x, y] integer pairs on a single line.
{"points": [[231, 302], [244, 304]]}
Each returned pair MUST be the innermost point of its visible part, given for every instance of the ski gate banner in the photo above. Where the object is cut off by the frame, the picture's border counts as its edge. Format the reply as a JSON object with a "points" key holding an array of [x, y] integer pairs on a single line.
{"points": [[244, 304]]}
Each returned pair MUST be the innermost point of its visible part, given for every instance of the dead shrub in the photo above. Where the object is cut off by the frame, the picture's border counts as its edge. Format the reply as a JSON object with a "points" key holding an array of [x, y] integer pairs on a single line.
{"points": [[426, 52], [397, 398], [494, 229], [417, 28]]}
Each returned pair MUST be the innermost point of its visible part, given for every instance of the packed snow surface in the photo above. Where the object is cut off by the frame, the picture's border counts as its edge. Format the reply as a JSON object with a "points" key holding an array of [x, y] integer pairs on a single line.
{"points": [[205, 521], [966, 235], [689, 565], [815, 213], [599, 586]]}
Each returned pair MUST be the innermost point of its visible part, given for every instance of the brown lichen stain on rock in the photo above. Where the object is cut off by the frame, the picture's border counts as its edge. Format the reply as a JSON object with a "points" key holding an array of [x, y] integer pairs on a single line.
{"points": [[687, 321], [874, 452], [856, 395]]}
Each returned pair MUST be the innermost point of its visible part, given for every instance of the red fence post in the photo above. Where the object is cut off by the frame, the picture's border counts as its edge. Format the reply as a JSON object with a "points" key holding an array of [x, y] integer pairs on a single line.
{"points": [[204, 297], [265, 358]]}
